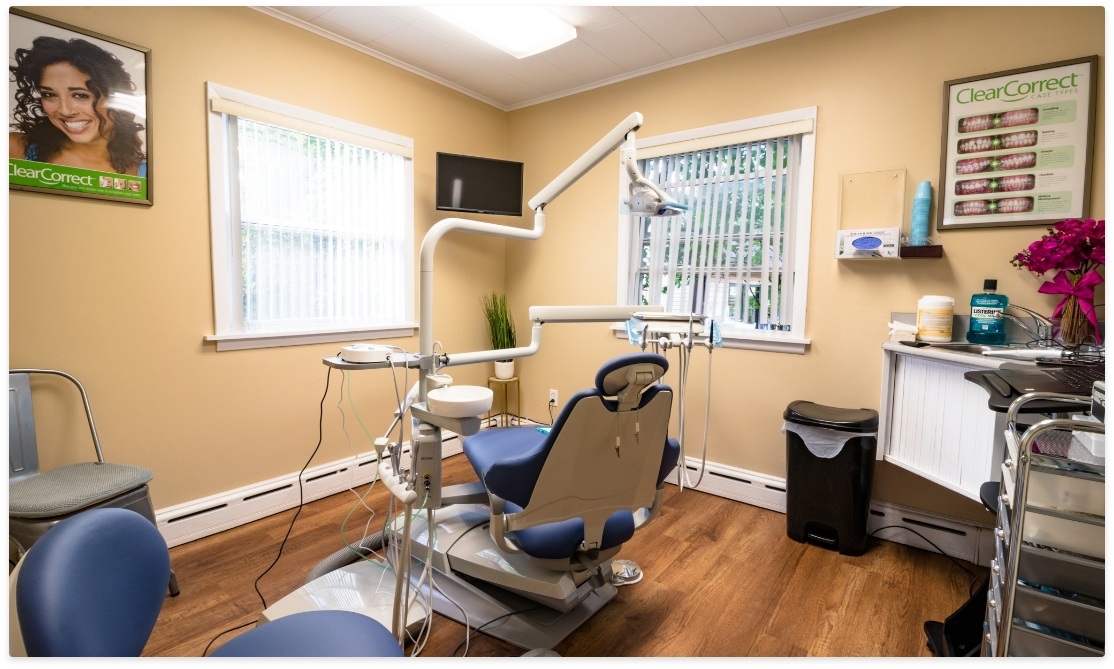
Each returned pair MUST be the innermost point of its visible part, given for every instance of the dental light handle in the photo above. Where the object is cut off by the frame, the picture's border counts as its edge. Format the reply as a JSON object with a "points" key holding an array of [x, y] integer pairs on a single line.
{"points": [[636, 177]]}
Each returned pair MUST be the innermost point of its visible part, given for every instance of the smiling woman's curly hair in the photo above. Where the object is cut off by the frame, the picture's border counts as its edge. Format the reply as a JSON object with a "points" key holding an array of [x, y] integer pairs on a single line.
{"points": [[106, 76]]}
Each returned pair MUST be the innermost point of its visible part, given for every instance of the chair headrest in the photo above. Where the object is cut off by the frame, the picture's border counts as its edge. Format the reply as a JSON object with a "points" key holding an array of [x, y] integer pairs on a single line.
{"points": [[627, 376]]}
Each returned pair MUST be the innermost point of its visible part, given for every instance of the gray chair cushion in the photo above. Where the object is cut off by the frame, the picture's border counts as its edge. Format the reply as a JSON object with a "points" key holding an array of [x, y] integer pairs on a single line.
{"points": [[72, 487]]}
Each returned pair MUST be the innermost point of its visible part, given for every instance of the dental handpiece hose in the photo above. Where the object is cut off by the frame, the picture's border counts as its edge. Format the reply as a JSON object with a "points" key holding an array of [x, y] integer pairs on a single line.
{"points": [[402, 570]]}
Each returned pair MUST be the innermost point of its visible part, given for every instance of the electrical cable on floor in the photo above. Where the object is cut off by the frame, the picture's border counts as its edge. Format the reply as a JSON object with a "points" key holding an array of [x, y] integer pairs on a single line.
{"points": [[301, 502], [493, 620], [974, 578], [463, 613]]}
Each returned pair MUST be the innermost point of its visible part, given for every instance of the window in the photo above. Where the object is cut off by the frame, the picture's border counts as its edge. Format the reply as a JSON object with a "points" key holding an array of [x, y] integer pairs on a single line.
{"points": [[312, 221], [739, 255]]}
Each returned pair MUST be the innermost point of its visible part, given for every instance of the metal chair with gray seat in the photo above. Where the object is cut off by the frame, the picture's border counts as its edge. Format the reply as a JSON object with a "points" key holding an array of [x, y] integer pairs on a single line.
{"points": [[38, 500]]}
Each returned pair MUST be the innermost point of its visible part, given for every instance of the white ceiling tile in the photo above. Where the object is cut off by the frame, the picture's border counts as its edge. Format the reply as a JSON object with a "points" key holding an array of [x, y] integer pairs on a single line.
{"points": [[799, 15], [582, 62], [415, 47], [451, 34], [543, 75], [304, 13], [740, 26], [635, 11], [359, 24], [588, 19], [627, 46], [612, 42], [681, 31], [405, 13]]}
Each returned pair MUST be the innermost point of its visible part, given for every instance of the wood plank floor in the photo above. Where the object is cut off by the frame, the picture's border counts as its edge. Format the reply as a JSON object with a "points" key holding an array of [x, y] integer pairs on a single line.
{"points": [[722, 579]]}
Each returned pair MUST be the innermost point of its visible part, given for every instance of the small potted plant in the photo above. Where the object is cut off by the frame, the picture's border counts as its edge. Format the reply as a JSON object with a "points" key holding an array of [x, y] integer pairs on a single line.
{"points": [[500, 330]]}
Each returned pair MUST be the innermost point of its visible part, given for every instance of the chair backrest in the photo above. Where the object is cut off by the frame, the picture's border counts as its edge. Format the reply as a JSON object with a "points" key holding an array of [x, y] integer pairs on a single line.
{"points": [[93, 586], [605, 453], [23, 452], [20, 387]]}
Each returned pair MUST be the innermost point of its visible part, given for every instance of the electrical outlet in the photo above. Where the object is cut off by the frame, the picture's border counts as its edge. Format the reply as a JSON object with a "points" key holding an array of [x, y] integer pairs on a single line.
{"points": [[552, 397]]}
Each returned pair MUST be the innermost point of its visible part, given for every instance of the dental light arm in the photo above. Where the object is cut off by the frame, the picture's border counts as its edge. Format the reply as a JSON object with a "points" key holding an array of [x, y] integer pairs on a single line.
{"points": [[590, 159], [646, 200], [562, 314]]}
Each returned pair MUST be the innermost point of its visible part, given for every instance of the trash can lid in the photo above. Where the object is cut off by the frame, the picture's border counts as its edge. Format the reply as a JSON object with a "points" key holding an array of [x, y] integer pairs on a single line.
{"points": [[848, 420]]}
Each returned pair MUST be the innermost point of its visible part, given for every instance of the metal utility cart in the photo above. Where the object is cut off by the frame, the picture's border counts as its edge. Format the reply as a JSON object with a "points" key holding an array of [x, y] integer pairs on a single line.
{"points": [[1047, 586]]}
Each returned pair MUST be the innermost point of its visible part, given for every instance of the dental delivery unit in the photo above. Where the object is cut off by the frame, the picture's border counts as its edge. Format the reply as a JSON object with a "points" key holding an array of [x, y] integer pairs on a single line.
{"points": [[524, 554]]}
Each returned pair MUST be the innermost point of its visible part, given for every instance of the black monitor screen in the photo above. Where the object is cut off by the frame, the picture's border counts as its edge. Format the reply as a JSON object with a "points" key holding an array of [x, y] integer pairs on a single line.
{"points": [[479, 185]]}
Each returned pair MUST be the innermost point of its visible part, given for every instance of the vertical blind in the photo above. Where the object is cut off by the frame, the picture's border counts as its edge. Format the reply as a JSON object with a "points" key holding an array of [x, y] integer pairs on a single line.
{"points": [[322, 240], [728, 257]]}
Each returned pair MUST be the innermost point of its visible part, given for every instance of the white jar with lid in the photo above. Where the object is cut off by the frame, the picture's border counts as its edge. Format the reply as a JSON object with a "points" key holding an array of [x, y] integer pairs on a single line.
{"points": [[934, 318]]}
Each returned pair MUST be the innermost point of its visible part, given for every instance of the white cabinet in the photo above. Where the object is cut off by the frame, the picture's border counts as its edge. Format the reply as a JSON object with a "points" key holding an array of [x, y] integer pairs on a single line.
{"points": [[936, 423]]}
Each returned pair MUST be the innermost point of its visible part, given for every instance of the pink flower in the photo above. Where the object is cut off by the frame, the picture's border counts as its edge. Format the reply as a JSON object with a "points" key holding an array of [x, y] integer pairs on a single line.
{"points": [[1072, 245]]}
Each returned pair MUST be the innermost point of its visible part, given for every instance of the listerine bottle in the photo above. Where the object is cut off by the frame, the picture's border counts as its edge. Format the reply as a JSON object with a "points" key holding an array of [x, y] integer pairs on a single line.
{"points": [[987, 324]]}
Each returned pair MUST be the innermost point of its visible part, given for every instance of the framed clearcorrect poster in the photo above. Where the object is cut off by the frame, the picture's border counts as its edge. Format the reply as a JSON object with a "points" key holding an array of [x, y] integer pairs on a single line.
{"points": [[1017, 146], [79, 119]]}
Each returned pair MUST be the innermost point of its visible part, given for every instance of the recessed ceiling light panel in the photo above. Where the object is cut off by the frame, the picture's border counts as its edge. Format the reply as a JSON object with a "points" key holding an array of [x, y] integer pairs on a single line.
{"points": [[519, 30]]}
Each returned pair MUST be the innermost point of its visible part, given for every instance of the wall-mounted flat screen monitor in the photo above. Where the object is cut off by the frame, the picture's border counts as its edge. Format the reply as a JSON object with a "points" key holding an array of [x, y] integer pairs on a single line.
{"points": [[479, 185]]}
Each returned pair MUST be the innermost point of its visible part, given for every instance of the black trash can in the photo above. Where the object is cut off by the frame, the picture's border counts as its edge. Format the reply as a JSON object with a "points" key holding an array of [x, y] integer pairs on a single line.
{"points": [[829, 458]]}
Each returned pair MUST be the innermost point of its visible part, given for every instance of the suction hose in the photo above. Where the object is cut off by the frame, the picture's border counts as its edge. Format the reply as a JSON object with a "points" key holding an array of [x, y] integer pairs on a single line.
{"points": [[347, 556]]}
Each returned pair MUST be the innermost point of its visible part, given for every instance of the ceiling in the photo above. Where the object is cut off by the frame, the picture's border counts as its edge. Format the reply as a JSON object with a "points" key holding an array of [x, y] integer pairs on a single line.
{"points": [[612, 43]]}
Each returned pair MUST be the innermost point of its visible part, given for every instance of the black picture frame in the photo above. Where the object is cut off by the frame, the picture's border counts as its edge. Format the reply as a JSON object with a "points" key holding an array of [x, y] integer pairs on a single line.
{"points": [[56, 127], [1018, 146]]}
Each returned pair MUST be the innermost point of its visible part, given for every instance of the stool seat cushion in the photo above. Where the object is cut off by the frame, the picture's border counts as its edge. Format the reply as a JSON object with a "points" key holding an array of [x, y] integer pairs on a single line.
{"points": [[315, 634], [66, 489]]}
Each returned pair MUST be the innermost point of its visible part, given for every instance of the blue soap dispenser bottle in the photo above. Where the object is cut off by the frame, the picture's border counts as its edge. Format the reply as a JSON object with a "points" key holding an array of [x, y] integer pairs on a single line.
{"points": [[987, 324]]}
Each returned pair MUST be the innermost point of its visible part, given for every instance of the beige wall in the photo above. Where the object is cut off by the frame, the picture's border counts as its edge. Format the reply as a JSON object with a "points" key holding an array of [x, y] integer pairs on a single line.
{"points": [[121, 295], [877, 83]]}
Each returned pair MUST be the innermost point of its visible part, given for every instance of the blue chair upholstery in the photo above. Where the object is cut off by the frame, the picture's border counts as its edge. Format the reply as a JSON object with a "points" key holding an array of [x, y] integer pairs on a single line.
{"points": [[315, 634], [93, 586], [600, 469]]}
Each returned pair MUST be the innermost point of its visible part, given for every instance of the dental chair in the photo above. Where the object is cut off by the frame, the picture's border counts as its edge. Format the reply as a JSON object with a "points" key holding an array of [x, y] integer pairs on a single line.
{"points": [[568, 498]]}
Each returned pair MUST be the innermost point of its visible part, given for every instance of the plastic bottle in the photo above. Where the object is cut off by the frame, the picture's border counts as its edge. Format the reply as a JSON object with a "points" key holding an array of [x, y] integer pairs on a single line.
{"points": [[934, 318], [922, 203], [987, 324]]}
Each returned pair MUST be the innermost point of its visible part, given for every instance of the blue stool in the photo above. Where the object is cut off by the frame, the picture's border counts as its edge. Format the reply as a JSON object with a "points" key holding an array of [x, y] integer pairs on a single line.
{"points": [[315, 634]]}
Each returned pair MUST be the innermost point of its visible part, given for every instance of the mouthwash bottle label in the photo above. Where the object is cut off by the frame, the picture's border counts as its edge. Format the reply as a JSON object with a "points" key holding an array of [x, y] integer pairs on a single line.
{"points": [[985, 318]]}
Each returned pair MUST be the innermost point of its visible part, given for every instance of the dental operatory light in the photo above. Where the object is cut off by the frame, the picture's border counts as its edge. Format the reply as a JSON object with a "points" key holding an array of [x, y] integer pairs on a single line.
{"points": [[519, 30], [646, 198]]}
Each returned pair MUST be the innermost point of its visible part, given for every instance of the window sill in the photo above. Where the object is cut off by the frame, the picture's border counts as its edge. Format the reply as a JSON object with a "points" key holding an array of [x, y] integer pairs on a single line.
{"points": [[239, 342], [751, 342]]}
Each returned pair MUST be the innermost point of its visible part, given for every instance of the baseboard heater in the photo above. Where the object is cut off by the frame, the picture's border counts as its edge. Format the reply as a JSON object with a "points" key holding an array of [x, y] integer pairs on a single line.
{"points": [[200, 518], [193, 520], [955, 537]]}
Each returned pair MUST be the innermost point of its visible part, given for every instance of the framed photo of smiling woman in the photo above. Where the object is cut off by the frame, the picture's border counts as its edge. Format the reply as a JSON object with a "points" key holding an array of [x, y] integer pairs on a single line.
{"points": [[78, 121]]}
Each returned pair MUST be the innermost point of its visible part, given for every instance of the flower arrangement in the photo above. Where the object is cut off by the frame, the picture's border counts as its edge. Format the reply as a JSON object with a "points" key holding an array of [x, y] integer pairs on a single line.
{"points": [[1075, 249]]}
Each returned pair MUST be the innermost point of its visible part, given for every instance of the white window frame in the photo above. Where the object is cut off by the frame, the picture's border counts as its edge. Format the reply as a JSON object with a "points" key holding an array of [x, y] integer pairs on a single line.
{"points": [[223, 101], [799, 121]]}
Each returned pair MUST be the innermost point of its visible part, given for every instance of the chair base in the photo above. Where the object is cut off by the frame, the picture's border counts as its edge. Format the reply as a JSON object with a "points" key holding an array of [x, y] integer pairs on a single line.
{"points": [[24, 532], [568, 599]]}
